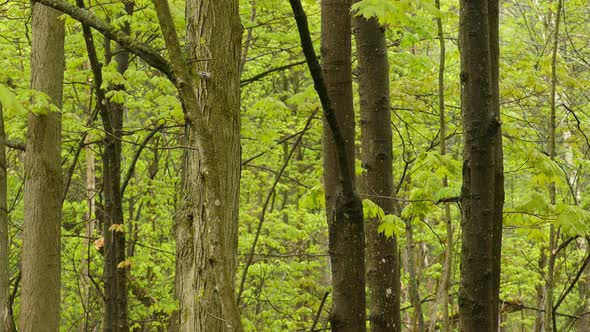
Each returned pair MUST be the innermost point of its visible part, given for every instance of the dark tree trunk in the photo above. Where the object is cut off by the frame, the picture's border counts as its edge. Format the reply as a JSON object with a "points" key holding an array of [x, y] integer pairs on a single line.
{"points": [[6, 318], [377, 184], [478, 295], [115, 268], [41, 264], [494, 40]]}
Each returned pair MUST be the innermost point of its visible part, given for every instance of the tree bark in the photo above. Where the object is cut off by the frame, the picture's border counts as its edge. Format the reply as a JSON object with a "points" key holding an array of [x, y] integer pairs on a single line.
{"points": [[549, 321], [447, 272], [115, 268], [478, 297], [206, 225], [494, 41], [383, 279], [6, 318], [413, 287], [346, 239], [346, 230], [40, 297]]}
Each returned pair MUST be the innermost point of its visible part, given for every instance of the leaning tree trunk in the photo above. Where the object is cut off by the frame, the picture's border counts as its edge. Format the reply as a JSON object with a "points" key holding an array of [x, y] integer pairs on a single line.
{"points": [[6, 319], [377, 184], [477, 295], [346, 238], [206, 226], [40, 296]]}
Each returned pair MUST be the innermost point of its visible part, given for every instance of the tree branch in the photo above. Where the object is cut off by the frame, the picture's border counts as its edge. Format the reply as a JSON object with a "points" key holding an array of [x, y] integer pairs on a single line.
{"points": [[145, 52], [136, 157]]}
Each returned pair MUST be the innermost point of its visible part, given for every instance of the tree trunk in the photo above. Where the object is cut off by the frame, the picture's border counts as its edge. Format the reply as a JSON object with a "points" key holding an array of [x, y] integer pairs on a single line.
{"points": [[40, 297], [6, 318], [478, 296], [549, 322], [447, 272], [206, 225], [413, 287], [377, 184], [115, 268], [494, 42], [346, 239]]}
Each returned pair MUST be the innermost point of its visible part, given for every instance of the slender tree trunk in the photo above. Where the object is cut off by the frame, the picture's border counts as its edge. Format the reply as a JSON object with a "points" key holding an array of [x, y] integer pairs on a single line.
{"points": [[377, 184], [494, 42], [206, 225], [478, 296], [346, 240], [413, 287], [445, 279], [115, 268], [6, 319], [40, 297], [549, 322]]}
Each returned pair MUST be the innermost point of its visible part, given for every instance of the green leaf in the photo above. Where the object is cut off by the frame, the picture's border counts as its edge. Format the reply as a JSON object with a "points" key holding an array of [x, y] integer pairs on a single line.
{"points": [[391, 225], [372, 210]]}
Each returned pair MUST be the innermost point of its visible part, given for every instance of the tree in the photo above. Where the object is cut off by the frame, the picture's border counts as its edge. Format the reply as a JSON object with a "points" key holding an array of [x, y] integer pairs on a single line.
{"points": [[115, 263], [208, 85], [206, 226], [478, 296], [6, 319], [377, 182], [343, 205], [41, 267]]}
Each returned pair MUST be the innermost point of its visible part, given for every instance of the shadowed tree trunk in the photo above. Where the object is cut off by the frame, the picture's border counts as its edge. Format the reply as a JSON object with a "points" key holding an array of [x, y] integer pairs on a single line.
{"points": [[377, 184], [40, 296], [115, 268], [478, 295], [494, 41], [6, 319]]}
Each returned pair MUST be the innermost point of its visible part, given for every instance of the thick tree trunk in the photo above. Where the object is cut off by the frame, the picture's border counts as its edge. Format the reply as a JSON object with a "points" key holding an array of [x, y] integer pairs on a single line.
{"points": [[115, 268], [346, 238], [206, 225], [6, 319], [377, 184], [40, 297], [478, 297]]}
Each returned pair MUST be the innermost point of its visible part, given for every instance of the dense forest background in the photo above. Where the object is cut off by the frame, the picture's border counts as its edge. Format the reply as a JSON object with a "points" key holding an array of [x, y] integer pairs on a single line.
{"points": [[283, 280]]}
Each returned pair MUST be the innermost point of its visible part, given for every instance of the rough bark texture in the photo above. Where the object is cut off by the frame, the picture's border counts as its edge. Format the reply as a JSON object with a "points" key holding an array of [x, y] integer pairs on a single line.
{"points": [[478, 297], [382, 264], [40, 297], [115, 269], [346, 235], [6, 320], [206, 224]]}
